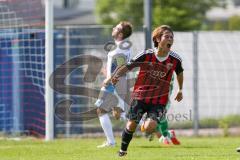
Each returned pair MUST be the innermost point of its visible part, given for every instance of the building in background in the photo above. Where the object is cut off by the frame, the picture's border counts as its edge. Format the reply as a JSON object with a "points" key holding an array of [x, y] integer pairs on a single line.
{"points": [[232, 8], [74, 12]]}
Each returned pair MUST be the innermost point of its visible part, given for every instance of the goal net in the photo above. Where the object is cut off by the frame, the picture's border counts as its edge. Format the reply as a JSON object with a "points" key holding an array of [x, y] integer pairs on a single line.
{"points": [[22, 67]]}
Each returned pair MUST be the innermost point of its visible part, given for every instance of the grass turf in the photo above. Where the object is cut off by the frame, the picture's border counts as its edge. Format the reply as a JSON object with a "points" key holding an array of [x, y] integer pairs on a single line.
{"points": [[211, 148]]}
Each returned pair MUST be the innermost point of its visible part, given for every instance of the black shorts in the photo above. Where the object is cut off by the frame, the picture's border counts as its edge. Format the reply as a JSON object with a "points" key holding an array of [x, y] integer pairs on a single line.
{"points": [[156, 112]]}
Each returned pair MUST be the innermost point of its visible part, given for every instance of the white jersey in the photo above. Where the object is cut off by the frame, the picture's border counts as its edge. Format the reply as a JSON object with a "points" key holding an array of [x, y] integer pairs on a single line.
{"points": [[116, 58]]}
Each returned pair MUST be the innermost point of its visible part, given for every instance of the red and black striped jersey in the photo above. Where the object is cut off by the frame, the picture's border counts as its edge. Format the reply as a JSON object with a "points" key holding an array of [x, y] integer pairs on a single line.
{"points": [[154, 77]]}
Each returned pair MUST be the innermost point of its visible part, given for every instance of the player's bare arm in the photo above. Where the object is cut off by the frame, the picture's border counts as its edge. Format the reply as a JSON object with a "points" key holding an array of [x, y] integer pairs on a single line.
{"points": [[122, 70], [179, 95]]}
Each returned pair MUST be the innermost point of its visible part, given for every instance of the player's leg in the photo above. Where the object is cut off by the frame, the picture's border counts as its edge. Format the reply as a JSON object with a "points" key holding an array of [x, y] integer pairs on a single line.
{"points": [[157, 113], [163, 129], [144, 124], [121, 93], [106, 125], [162, 132], [134, 115], [118, 113], [119, 110], [152, 123], [163, 124], [164, 135], [173, 138], [149, 127], [167, 134], [158, 133], [104, 103], [127, 137]]}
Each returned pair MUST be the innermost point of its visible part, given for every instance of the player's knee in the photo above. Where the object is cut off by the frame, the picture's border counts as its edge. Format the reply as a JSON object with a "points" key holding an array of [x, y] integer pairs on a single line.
{"points": [[150, 126], [131, 126], [116, 112], [100, 112]]}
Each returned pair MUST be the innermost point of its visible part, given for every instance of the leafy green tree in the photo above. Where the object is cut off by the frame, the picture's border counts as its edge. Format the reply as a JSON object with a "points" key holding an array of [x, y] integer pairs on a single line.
{"points": [[182, 15], [219, 25], [234, 23], [113, 11]]}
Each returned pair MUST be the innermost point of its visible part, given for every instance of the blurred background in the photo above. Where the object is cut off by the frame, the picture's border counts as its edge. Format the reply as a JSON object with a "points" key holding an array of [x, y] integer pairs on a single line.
{"points": [[206, 37]]}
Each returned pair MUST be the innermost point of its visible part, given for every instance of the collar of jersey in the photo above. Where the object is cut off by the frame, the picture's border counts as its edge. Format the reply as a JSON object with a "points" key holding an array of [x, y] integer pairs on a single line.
{"points": [[118, 42], [160, 59]]}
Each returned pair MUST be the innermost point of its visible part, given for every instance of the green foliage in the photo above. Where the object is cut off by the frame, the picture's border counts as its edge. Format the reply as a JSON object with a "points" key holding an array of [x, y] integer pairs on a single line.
{"points": [[181, 125], [181, 15], [229, 121], [234, 23], [232, 120], [224, 123], [209, 123], [113, 11], [225, 126], [219, 25]]}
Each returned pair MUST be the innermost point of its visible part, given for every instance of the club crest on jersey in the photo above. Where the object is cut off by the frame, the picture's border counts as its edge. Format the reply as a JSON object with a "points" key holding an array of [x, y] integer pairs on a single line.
{"points": [[158, 71], [169, 66], [157, 74]]}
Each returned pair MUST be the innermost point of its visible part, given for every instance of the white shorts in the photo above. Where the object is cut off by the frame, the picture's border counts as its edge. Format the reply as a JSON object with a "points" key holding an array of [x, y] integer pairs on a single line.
{"points": [[108, 100]]}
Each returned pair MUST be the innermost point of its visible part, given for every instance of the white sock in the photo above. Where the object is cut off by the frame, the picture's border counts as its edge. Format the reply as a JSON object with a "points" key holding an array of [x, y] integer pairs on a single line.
{"points": [[107, 128]]}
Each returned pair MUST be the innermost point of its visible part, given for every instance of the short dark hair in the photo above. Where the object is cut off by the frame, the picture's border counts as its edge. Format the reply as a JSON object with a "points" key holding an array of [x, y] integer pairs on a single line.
{"points": [[126, 29], [158, 32]]}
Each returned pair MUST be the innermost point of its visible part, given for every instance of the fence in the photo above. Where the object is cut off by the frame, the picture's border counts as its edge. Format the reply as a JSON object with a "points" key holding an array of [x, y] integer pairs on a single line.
{"points": [[218, 75], [218, 88]]}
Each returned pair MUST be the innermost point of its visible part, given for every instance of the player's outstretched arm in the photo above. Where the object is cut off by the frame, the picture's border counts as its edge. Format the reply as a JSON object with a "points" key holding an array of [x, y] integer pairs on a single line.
{"points": [[119, 72]]}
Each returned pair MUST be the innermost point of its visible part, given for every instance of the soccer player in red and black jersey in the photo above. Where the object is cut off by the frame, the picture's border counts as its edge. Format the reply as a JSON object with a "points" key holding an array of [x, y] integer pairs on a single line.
{"points": [[151, 90]]}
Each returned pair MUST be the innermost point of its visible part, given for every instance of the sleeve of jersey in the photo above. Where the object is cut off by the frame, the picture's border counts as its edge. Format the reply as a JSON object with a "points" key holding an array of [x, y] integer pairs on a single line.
{"points": [[136, 61], [179, 68]]}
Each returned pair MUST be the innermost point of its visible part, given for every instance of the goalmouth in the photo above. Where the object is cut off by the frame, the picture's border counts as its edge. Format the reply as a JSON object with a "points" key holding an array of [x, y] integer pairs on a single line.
{"points": [[26, 63]]}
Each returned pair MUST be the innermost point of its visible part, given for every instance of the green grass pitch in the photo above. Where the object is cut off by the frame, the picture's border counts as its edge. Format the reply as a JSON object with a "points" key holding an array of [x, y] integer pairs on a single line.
{"points": [[211, 148]]}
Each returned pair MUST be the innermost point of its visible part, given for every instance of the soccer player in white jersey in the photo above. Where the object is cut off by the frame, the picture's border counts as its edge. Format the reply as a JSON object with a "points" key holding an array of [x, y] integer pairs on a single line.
{"points": [[118, 55]]}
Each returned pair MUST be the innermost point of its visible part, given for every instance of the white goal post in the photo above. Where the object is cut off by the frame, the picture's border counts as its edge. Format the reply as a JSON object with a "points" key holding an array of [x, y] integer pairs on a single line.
{"points": [[49, 107]]}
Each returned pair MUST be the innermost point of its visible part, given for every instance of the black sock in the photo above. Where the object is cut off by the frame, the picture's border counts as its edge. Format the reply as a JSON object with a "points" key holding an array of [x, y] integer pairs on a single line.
{"points": [[126, 138]]}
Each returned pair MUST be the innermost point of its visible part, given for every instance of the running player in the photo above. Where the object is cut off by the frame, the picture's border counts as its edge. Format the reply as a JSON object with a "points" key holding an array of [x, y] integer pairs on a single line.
{"points": [[150, 94]]}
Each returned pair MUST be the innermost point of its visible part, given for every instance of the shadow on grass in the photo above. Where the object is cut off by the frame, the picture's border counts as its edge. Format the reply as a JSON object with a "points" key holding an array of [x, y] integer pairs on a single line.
{"points": [[157, 147], [174, 147]]}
